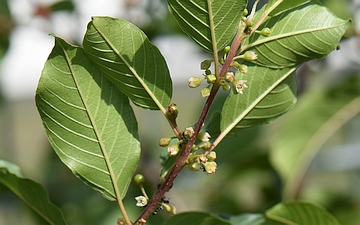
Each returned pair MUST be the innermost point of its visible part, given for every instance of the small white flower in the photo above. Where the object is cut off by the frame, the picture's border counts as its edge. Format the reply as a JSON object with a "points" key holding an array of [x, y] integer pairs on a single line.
{"points": [[240, 85], [204, 136], [141, 201]]}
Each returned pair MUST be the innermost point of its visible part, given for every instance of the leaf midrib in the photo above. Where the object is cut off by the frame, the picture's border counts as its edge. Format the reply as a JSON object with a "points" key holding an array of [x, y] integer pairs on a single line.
{"points": [[95, 129], [132, 69], [251, 106], [289, 34]]}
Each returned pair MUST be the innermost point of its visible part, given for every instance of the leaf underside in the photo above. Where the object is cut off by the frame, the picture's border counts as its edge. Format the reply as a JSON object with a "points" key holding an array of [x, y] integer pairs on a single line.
{"points": [[208, 21], [299, 33], [195, 218], [299, 213], [88, 121], [127, 58]]}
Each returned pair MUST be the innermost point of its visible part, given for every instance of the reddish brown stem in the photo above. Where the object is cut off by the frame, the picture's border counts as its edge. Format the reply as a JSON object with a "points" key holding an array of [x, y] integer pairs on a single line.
{"points": [[174, 172]]}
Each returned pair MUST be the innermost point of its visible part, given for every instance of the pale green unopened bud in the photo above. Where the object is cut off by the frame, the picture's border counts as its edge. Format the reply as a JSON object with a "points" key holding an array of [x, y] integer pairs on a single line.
{"points": [[205, 92], [235, 64], [250, 56], [225, 87], [164, 142], [195, 82], [204, 145], [194, 166], [266, 32], [250, 23], [173, 149], [243, 68], [211, 156], [226, 49], [210, 167], [211, 78], [229, 77], [245, 12]]}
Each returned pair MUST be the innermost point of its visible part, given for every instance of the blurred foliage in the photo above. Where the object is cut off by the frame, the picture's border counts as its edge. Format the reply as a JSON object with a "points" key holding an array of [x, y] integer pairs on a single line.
{"points": [[6, 25]]}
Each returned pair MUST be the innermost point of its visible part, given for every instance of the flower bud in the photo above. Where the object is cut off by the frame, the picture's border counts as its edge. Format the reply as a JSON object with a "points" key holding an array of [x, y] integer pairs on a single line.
{"points": [[195, 82], [243, 68], [211, 78], [250, 56], [204, 136], [229, 77], [225, 87], [205, 92], [172, 111], [266, 32], [204, 145], [189, 131], [211, 156], [245, 12], [164, 142], [207, 72], [173, 149], [226, 49], [194, 166], [139, 179], [250, 23], [210, 167]]}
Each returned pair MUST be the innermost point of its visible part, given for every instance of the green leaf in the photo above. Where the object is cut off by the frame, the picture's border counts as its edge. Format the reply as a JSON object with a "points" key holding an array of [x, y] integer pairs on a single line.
{"points": [[32, 193], [319, 114], [210, 23], [270, 93], [195, 218], [298, 34], [293, 213], [128, 59], [247, 219], [286, 5], [88, 121]]}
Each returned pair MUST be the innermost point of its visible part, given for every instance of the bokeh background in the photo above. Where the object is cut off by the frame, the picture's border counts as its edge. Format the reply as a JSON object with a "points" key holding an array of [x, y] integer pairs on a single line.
{"points": [[247, 179]]}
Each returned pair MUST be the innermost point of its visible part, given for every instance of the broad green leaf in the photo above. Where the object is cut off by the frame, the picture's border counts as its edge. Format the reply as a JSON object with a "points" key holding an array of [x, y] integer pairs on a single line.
{"points": [[247, 219], [127, 58], [88, 121], [195, 218], [270, 93], [31, 192], [286, 5], [319, 114], [293, 213], [210, 23], [298, 34]]}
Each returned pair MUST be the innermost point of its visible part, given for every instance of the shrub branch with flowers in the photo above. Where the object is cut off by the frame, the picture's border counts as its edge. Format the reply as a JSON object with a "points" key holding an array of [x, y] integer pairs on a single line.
{"points": [[83, 97]]}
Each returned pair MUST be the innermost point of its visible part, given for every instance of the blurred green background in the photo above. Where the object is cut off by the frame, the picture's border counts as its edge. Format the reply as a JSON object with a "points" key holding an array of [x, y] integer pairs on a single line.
{"points": [[321, 135]]}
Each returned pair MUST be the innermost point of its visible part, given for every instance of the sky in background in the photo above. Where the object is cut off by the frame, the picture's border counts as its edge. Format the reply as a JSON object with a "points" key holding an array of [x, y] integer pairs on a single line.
{"points": [[31, 44]]}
